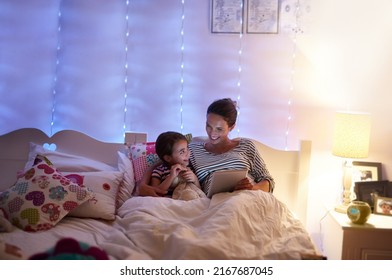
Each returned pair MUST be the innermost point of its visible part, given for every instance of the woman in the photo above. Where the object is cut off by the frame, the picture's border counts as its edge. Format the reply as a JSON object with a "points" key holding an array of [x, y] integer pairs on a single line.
{"points": [[220, 152]]}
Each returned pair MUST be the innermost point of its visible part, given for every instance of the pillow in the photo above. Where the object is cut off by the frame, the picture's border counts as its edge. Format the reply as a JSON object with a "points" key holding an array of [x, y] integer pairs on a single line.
{"points": [[66, 162], [105, 185], [41, 197], [128, 184], [143, 156]]}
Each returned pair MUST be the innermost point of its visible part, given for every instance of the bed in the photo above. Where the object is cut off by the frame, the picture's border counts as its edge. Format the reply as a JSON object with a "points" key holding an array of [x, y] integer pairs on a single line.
{"points": [[103, 211]]}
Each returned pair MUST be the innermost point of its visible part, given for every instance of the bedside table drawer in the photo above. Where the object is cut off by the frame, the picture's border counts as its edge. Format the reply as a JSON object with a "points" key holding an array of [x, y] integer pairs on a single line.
{"points": [[347, 241]]}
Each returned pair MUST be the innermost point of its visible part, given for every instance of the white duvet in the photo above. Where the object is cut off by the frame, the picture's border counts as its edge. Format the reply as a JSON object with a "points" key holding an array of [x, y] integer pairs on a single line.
{"points": [[238, 225]]}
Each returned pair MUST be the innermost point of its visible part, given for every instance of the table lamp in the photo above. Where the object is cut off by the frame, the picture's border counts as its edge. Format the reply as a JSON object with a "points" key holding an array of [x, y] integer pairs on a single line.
{"points": [[350, 141]]}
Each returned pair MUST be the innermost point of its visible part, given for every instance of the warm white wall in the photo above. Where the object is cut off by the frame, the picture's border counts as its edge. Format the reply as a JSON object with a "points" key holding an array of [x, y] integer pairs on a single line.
{"points": [[342, 61], [347, 60]]}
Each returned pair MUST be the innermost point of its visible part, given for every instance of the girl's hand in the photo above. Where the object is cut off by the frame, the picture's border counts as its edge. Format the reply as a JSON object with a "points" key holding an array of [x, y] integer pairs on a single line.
{"points": [[176, 169]]}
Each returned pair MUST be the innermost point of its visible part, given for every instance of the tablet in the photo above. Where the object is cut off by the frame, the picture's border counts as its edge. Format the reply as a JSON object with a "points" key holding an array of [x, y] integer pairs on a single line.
{"points": [[225, 180]]}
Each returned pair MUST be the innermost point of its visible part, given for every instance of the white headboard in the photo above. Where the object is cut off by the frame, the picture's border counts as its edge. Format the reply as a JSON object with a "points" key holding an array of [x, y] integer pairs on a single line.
{"points": [[290, 169], [14, 149]]}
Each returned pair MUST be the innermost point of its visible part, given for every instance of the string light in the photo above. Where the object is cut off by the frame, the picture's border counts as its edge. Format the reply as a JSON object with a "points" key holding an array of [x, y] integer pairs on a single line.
{"points": [[239, 71], [182, 65], [292, 74], [126, 66], [55, 78]]}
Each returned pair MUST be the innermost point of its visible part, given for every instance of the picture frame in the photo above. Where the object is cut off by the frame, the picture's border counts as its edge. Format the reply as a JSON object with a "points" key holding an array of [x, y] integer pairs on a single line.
{"points": [[383, 205], [367, 191], [262, 16], [227, 16], [366, 171]]}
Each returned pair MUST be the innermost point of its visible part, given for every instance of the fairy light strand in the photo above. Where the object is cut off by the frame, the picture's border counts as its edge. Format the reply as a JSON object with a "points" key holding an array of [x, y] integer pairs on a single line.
{"points": [[182, 65], [55, 78], [239, 72], [126, 67], [292, 75]]}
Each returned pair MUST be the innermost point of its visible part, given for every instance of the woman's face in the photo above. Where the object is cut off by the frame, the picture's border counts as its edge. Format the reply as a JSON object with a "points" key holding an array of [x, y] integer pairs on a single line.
{"points": [[217, 128]]}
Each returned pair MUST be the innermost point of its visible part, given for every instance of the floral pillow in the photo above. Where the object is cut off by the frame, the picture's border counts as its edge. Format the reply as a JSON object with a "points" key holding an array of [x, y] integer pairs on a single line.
{"points": [[105, 185], [143, 155], [41, 197]]}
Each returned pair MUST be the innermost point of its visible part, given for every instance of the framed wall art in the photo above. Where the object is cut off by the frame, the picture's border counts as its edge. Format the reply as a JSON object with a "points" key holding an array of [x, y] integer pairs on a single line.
{"points": [[262, 16], [227, 16], [366, 171]]}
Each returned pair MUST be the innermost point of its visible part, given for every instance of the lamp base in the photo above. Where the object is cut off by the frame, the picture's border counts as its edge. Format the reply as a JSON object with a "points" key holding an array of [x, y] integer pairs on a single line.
{"points": [[342, 208]]}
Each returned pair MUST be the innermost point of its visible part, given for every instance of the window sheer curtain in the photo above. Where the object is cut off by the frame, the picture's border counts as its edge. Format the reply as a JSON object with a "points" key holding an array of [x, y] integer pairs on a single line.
{"points": [[68, 68]]}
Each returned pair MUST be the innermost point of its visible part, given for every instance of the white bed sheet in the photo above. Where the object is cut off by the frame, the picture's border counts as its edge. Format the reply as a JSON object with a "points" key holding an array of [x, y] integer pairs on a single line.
{"points": [[238, 225]]}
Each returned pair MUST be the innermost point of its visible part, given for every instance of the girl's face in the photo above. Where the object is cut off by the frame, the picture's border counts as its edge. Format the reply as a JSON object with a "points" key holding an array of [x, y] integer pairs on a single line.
{"points": [[217, 128], [180, 153]]}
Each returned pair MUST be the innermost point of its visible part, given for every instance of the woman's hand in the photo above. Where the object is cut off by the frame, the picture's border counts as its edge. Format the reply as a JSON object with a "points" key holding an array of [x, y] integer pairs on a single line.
{"points": [[245, 184]]}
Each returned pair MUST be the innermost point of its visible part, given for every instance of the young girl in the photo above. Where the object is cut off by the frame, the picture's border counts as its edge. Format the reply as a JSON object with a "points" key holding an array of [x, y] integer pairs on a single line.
{"points": [[173, 175]]}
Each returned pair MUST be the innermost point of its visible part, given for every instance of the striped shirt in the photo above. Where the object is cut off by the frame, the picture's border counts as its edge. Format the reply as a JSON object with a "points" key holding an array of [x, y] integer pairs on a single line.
{"points": [[243, 156]]}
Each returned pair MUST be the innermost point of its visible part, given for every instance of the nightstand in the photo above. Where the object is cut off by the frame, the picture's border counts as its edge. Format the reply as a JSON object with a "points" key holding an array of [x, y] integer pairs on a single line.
{"points": [[347, 241]]}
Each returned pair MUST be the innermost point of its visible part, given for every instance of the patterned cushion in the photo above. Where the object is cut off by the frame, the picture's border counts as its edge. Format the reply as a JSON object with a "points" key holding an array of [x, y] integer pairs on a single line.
{"points": [[105, 185], [41, 197], [143, 156]]}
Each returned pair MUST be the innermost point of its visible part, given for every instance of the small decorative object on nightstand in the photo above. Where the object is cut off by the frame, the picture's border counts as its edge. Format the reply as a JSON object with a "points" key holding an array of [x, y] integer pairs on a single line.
{"points": [[358, 212]]}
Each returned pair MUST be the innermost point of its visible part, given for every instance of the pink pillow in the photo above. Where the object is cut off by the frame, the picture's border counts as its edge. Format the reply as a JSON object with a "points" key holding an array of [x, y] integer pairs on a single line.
{"points": [[143, 155]]}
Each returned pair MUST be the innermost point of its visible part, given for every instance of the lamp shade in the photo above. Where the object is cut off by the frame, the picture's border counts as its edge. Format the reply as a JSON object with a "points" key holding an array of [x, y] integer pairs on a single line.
{"points": [[351, 135]]}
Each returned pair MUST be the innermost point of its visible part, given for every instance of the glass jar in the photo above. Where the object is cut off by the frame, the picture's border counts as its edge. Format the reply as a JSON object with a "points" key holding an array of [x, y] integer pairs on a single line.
{"points": [[358, 212]]}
